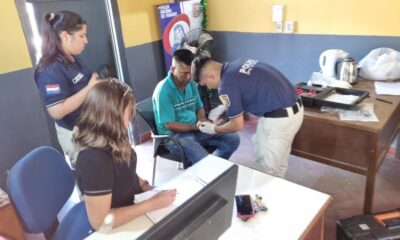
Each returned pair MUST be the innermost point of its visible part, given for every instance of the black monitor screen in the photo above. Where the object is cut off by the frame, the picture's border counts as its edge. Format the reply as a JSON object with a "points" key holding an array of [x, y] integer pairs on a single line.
{"points": [[206, 215]]}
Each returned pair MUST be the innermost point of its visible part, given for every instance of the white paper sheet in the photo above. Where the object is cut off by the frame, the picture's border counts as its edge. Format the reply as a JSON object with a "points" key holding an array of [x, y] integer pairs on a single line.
{"points": [[4, 200], [342, 98], [186, 185], [387, 88], [364, 113]]}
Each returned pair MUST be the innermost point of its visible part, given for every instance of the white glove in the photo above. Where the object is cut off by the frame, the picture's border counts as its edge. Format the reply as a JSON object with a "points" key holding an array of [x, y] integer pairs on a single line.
{"points": [[207, 127], [216, 112]]}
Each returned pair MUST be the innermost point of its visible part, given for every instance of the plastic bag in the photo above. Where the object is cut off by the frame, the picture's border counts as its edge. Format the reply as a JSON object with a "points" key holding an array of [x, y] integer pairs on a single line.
{"points": [[325, 81], [381, 64]]}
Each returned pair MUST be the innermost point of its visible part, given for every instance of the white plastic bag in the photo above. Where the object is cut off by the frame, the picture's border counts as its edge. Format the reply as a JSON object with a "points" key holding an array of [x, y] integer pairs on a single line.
{"points": [[325, 81], [381, 64]]}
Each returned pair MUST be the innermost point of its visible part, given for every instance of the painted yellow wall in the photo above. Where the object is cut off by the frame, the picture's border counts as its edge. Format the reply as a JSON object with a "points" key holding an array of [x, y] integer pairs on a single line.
{"points": [[348, 17], [139, 21], [14, 54]]}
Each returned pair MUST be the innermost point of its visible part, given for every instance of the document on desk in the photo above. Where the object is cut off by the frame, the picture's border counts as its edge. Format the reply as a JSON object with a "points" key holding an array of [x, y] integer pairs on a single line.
{"points": [[186, 185], [364, 113], [387, 88], [342, 98]]}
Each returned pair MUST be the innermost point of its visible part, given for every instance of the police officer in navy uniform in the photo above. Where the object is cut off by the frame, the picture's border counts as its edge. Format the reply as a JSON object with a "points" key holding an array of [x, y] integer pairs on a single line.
{"points": [[62, 79], [247, 85]]}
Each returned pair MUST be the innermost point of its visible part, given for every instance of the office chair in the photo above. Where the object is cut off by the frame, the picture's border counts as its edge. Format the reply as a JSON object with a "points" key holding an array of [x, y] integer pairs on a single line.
{"points": [[145, 110], [39, 185]]}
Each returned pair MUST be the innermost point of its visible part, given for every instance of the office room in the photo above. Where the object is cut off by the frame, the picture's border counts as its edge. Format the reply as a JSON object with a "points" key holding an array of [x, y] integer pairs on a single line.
{"points": [[337, 168]]}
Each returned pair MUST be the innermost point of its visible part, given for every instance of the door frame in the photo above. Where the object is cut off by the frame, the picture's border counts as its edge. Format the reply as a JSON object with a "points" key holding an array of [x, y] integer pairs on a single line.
{"points": [[114, 22]]}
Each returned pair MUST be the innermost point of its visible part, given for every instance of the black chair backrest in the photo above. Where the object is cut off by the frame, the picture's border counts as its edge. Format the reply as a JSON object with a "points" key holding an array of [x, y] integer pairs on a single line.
{"points": [[145, 110]]}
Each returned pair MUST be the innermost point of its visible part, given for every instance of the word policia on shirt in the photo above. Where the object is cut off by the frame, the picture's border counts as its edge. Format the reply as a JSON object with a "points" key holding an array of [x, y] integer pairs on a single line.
{"points": [[248, 66]]}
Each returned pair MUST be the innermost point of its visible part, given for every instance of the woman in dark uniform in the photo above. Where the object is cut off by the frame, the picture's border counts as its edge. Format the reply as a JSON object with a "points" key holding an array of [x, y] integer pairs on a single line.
{"points": [[62, 79]]}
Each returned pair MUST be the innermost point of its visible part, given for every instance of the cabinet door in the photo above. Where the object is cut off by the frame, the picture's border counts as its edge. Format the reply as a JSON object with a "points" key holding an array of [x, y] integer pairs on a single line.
{"points": [[10, 226]]}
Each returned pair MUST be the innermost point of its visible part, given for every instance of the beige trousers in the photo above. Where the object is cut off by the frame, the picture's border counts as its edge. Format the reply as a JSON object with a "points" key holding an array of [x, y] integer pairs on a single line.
{"points": [[64, 137], [273, 140]]}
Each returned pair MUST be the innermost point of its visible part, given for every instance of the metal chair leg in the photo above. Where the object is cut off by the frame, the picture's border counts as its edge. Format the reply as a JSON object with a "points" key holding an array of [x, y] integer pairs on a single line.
{"points": [[154, 171], [180, 166]]}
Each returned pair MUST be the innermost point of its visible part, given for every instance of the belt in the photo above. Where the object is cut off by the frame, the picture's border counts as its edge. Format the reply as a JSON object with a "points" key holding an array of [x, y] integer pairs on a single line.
{"points": [[284, 112]]}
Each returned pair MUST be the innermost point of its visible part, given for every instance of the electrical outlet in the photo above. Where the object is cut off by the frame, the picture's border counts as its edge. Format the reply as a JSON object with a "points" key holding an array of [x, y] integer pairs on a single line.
{"points": [[289, 27], [279, 27]]}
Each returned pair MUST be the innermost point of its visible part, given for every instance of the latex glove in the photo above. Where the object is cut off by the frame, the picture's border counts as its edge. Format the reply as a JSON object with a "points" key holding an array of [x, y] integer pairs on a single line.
{"points": [[207, 127], [216, 112]]}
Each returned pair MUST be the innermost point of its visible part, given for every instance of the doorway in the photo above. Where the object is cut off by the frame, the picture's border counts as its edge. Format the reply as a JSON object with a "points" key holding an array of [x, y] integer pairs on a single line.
{"points": [[105, 47]]}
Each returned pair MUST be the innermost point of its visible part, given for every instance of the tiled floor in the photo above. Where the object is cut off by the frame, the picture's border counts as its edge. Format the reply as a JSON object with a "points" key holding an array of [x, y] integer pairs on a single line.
{"points": [[346, 188]]}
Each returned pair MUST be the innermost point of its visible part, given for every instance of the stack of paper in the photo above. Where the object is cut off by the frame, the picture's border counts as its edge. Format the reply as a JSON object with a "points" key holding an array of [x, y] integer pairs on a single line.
{"points": [[386, 88], [186, 185]]}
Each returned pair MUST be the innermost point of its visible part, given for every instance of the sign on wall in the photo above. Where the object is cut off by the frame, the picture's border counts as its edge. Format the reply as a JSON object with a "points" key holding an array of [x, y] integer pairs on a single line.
{"points": [[176, 20]]}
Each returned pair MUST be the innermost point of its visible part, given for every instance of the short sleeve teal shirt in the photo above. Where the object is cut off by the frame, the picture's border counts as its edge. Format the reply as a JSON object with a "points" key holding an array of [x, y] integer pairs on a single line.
{"points": [[170, 104]]}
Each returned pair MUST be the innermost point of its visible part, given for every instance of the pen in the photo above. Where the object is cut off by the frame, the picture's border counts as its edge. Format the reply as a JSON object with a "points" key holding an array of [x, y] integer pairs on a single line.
{"points": [[383, 100], [161, 190], [197, 179], [201, 181]]}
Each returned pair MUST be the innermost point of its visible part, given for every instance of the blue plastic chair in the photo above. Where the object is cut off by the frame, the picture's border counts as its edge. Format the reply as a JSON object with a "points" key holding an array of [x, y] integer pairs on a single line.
{"points": [[39, 185]]}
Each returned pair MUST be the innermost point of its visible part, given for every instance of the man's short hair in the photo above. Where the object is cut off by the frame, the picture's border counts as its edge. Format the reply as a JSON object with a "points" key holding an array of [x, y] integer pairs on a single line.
{"points": [[183, 56], [197, 65]]}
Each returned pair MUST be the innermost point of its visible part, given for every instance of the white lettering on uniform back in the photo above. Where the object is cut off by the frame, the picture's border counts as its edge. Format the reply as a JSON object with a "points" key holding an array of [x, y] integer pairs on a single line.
{"points": [[248, 66]]}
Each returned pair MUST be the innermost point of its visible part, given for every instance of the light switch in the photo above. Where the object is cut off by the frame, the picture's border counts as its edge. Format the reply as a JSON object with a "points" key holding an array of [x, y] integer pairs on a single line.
{"points": [[277, 12], [279, 27], [289, 26]]}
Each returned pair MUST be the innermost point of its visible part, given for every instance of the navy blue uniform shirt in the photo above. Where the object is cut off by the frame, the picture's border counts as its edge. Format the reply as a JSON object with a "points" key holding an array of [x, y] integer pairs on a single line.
{"points": [[254, 87], [60, 80]]}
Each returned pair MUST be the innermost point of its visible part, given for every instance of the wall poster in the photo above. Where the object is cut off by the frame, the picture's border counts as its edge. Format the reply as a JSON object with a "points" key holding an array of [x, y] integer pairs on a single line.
{"points": [[176, 20]]}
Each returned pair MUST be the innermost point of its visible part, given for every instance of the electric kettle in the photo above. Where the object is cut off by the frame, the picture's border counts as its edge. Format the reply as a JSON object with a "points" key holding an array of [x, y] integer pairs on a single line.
{"points": [[328, 61], [348, 70]]}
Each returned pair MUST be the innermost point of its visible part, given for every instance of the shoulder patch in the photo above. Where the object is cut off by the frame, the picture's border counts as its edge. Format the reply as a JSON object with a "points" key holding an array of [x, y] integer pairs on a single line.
{"points": [[52, 89], [225, 100]]}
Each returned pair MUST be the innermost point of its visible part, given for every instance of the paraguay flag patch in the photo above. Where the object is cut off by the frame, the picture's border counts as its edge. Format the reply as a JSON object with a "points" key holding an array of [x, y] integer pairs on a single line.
{"points": [[52, 89]]}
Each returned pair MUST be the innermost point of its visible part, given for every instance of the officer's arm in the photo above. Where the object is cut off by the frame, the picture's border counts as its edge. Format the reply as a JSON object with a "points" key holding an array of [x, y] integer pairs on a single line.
{"points": [[71, 103], [233, 125]]}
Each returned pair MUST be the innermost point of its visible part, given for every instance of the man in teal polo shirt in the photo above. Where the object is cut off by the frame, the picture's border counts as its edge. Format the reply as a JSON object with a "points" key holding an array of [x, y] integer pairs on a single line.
{"points": [[178, 108]]}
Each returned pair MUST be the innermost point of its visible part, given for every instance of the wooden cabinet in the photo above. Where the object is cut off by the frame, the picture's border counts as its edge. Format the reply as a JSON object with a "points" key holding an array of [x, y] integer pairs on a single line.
{"points": [[10, 226]]}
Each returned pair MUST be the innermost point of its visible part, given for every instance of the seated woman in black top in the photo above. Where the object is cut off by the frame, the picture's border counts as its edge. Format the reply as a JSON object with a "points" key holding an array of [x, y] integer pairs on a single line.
{"points": [[106, 164]]}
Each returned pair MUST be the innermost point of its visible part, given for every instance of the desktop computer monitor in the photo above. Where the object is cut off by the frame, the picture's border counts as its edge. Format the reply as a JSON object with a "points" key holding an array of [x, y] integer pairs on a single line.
{"points": [[206, 215]]}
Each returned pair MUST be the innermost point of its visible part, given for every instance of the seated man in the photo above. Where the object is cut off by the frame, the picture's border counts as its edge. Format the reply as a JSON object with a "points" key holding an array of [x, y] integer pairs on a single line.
{"points": [[178, 110]]}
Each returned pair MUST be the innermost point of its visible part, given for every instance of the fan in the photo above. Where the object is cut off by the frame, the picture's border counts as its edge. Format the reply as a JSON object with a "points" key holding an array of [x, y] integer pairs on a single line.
{"points": [[199, 42]]}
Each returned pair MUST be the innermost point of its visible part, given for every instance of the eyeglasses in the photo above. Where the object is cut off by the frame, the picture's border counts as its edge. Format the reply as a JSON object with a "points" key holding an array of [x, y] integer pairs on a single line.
{"points": [[123, 84]]}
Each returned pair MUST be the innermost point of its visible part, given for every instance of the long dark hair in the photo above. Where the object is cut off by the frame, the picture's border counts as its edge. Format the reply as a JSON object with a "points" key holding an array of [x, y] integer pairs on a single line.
{"points": [[52, 25]]}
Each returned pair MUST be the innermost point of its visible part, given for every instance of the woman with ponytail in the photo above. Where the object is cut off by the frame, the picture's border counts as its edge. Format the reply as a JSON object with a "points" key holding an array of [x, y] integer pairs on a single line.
{"points": [[62, 79]]}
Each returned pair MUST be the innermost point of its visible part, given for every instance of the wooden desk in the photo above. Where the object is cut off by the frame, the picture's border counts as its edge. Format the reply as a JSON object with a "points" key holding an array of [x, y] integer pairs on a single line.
{"points": [[294, 211], [359, 147]]}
